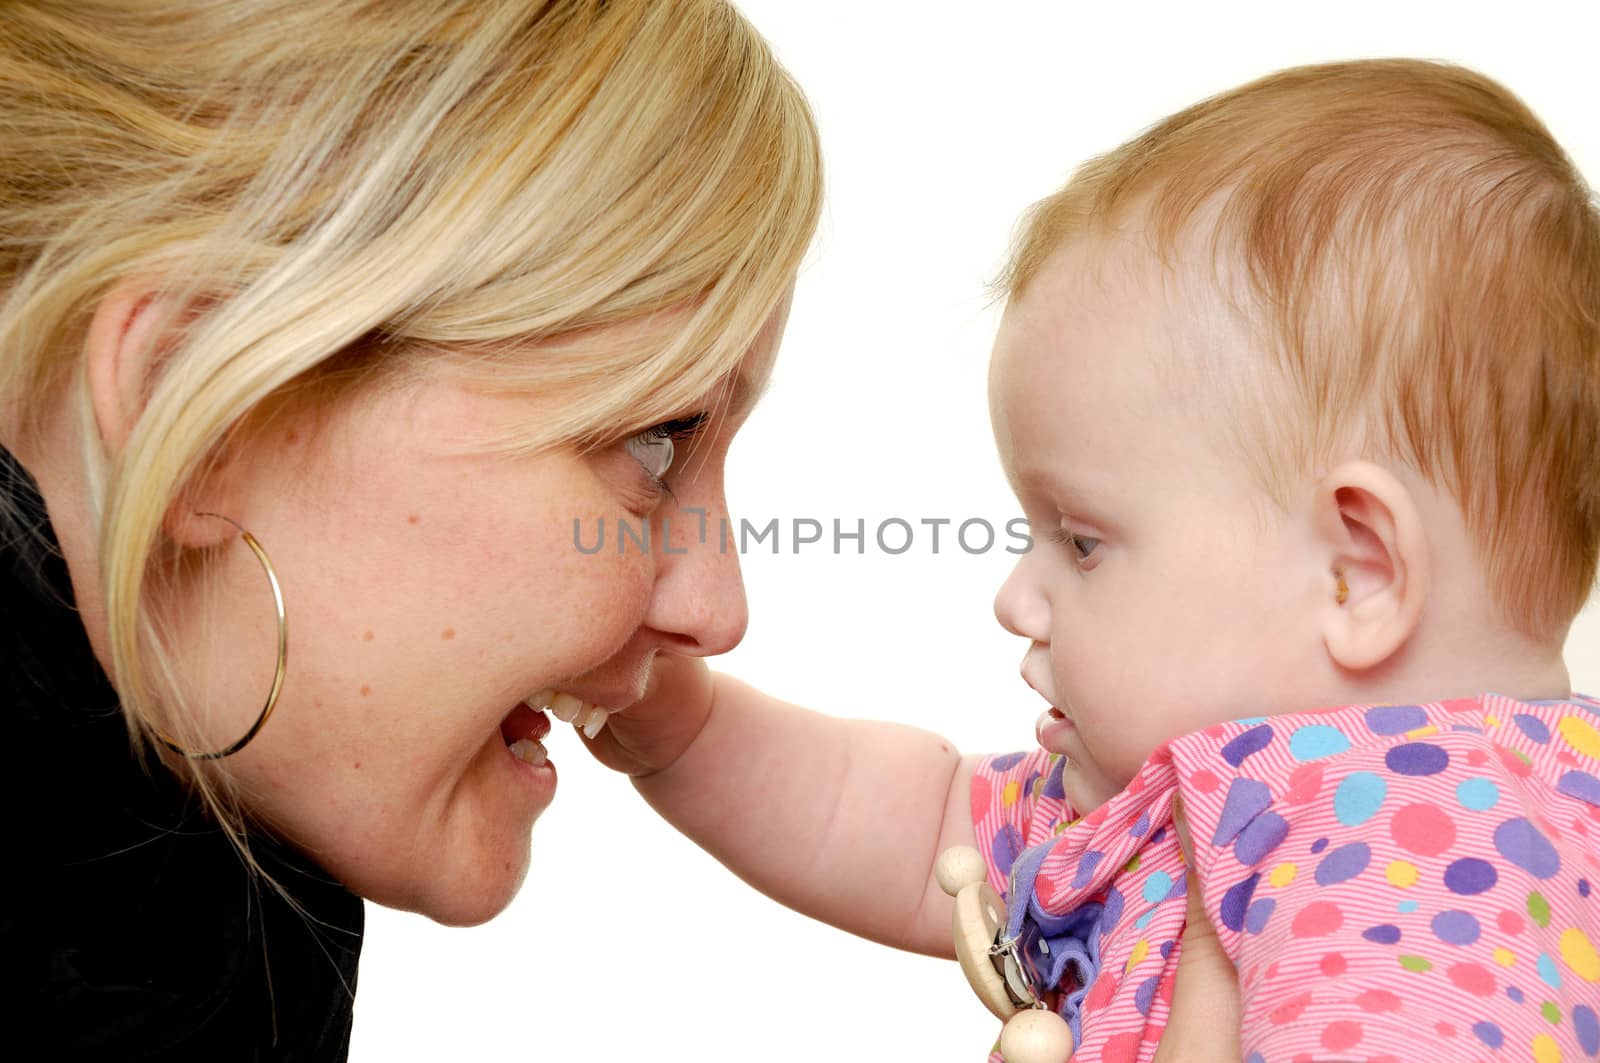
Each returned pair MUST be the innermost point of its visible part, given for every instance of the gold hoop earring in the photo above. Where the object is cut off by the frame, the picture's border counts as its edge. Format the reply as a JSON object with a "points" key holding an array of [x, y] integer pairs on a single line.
{"points": [[283, 654], [1341, 589]]}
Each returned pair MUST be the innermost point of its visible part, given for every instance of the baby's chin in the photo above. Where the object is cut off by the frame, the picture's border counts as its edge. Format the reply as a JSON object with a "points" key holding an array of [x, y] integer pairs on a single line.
{"points": [[1086, 787]]}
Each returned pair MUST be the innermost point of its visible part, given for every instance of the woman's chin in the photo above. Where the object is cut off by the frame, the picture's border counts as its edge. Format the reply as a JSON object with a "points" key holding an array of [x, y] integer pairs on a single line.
{"points": [[478, 903], [459, 893]]}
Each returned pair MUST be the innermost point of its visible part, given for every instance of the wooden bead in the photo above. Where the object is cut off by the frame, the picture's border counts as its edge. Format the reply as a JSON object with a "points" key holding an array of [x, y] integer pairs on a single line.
{"points": [[958, 867], [979, 912], [1036, 1035]]}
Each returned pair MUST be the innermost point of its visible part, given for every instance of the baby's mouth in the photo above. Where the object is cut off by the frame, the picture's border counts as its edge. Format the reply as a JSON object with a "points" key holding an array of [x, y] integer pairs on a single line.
{"points": [[1052, 730]]}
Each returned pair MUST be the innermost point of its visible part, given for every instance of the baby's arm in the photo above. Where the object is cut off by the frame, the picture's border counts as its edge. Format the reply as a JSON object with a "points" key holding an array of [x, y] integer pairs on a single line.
{"points": [[839, 819]]}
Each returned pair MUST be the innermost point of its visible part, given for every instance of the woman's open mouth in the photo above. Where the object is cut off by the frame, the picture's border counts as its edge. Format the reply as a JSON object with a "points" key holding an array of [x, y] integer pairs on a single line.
{"points": [[525, 728]]}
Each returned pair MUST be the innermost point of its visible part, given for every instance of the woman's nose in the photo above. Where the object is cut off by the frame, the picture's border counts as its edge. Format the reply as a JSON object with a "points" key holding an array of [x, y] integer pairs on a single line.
{"points": [[1021, 607], [698, 601]]}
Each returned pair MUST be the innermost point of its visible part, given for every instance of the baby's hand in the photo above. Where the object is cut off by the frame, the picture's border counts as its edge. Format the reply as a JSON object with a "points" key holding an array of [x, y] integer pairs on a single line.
{"points": [[650, 735]]}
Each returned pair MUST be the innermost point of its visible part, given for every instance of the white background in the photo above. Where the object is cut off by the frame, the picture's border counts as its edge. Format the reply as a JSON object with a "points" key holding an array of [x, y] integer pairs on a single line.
{"points": [[940, 122]]}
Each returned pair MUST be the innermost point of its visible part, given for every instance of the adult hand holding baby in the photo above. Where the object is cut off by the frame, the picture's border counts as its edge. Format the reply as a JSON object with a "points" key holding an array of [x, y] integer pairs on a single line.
{"points": [[1203, 1024]]}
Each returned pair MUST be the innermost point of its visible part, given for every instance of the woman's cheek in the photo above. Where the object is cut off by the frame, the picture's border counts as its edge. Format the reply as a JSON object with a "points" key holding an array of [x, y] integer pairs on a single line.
{"points": [[617, 598]]}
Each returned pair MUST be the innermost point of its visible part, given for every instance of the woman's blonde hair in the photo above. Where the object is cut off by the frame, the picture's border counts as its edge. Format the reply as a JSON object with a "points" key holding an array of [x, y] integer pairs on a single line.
{"points": [[338, 192], [1420, 256]]}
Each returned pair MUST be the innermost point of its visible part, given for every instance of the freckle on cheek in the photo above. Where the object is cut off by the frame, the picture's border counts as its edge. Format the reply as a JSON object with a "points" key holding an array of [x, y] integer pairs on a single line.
{"points": [[448, 633], [367, 637], [365, 691], [414, 519], [356, 766]]}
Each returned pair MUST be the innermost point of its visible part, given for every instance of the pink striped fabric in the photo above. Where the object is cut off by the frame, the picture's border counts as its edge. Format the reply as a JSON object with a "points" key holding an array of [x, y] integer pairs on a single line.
{"points": [[1393, 882]]}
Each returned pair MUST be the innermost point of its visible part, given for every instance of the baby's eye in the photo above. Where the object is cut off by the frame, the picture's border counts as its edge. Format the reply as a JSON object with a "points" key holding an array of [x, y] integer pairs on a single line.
{"points": [[1081, 545], [654, 448]]}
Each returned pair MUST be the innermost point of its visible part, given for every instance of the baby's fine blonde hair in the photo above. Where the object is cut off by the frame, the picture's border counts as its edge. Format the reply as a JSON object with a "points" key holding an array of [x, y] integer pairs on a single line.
{"points": [[1423, 261], [337, 193]]}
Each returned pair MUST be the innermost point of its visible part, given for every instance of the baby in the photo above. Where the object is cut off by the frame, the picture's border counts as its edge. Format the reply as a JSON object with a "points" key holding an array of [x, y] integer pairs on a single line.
{"points": [[1300, 391]]}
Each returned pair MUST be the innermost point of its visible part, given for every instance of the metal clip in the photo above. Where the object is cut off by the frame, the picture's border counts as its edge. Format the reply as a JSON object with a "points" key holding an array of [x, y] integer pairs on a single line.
{"points": [[1008, 962]]}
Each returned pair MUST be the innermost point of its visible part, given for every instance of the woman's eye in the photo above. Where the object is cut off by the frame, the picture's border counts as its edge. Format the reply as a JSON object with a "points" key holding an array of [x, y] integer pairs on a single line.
{"points": [[655, 447]]}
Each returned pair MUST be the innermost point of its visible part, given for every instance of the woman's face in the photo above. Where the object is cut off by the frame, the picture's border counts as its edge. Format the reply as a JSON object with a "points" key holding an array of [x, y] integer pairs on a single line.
{"points": [[429, 591]]}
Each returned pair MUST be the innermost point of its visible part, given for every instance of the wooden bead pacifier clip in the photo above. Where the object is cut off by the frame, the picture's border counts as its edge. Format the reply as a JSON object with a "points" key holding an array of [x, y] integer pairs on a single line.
{"points": [[991, 961]]}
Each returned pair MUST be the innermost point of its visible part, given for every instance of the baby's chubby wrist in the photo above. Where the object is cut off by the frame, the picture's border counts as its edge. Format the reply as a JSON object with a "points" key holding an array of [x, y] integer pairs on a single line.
{"points": [[650, 736]]}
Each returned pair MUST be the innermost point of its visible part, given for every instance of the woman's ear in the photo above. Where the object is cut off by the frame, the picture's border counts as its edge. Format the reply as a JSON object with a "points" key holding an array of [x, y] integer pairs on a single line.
{"points": [[129, 334], [1378, 579], [121, 352]]}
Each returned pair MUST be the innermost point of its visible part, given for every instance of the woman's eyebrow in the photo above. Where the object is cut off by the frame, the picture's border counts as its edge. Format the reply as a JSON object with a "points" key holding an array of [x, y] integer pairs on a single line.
{"points": [[736, 396]]}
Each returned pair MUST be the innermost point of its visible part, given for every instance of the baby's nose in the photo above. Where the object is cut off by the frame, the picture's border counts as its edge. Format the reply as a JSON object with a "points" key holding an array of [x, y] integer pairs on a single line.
{"points": [[1021, 608]]}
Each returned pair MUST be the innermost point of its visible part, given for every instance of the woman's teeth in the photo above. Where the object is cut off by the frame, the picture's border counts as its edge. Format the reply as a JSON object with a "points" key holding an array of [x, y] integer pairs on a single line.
{"points": [[590, 719], [565, 707], [529, 752], [594, 721]]}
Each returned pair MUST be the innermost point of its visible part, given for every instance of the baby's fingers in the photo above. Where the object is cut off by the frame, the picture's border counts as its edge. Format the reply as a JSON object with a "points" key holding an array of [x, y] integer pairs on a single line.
{"points": [[651, 734]]}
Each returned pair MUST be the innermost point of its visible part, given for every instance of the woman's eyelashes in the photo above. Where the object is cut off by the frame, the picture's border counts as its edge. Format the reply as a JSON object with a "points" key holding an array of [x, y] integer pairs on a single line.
{"points": [[655, 448], [1083, 547]]}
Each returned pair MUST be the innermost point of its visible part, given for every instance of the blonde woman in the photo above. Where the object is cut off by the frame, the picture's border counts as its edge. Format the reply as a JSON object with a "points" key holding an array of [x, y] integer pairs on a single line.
{"points": [[324, 329]]}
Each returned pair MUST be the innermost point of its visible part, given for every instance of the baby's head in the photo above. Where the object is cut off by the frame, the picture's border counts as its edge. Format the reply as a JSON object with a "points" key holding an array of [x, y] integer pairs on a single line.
{"points": [[1300, 390]]}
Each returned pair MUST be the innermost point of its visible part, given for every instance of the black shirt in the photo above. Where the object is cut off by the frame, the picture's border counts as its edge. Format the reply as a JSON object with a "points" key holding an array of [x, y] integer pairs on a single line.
{"points": [[130, 927]]}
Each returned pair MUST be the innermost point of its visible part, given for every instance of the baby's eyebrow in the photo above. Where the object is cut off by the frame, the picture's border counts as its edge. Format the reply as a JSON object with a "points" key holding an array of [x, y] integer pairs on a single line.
{"points": [[1049, 482], [1046, 475]]}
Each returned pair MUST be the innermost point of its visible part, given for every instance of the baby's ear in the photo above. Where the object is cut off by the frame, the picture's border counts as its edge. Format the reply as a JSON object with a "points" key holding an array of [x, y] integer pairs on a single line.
{"points": [[131, 330], [1378, 579]]}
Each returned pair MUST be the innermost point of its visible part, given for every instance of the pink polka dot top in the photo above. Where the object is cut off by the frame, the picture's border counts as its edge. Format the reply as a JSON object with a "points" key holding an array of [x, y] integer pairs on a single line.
{"points": [[1399, 882]]}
